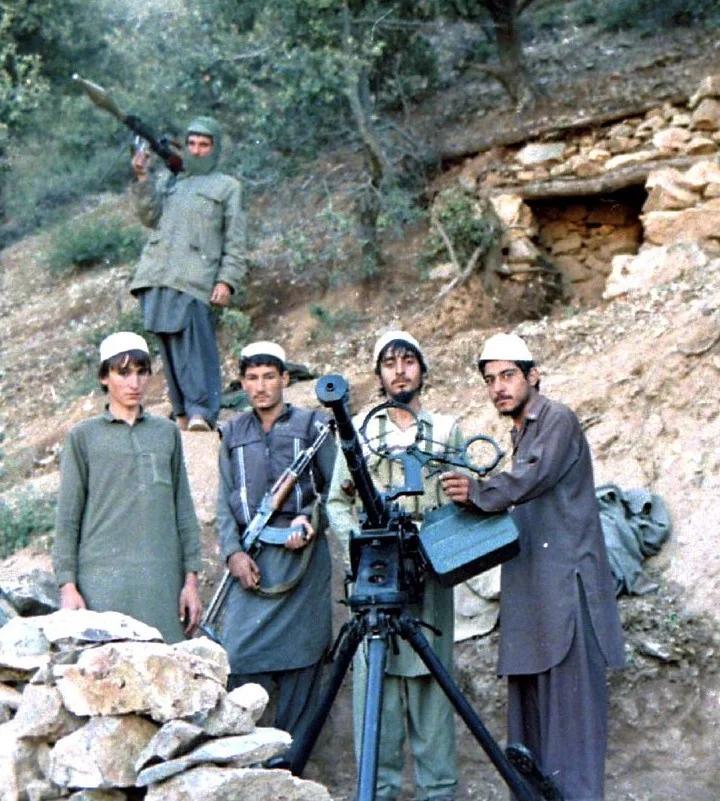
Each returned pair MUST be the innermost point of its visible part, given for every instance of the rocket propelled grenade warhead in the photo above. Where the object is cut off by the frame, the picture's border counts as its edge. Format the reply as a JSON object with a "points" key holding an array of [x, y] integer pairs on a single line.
{"points": [[163, 147], [99, 97]]}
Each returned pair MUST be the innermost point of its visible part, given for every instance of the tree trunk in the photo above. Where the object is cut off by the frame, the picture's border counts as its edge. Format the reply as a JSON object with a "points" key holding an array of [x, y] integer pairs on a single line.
{"points": [[368, 202], [515, 79]]}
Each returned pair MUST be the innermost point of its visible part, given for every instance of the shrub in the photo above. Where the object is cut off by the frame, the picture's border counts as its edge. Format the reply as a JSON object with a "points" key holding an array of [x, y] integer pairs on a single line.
{"points": [[647, 15], [466, 225], [20, 520], [237, 328], [79, 245]]}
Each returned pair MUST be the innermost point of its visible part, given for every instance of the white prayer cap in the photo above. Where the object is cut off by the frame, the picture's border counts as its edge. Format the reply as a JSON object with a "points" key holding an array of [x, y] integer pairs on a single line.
{"points": [[392, 336], [263, 349], [121, 342], [505, 348]]}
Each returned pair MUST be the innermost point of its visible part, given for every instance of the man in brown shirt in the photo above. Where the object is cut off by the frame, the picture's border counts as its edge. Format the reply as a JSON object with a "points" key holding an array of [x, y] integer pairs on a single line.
{"points": [[560, 627]]}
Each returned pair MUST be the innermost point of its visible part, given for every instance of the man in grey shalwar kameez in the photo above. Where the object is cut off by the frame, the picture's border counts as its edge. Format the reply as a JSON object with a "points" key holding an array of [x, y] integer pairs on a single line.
{"points": [[193, 261], [559, 623], [277, 623]]}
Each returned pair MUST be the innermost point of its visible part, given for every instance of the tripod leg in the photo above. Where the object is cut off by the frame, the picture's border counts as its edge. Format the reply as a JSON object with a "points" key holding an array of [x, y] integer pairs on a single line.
{"points": [[299, 752], [370, 743], [409, 630]]}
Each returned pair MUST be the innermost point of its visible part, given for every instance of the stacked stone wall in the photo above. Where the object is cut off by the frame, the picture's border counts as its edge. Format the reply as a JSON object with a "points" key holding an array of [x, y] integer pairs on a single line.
{"points": [[592, 202]]}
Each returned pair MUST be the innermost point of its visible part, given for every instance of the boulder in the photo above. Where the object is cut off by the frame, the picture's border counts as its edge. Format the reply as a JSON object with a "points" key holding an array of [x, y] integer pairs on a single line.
{"points": [[651, 267], [239, 751], [68, 629], [709, 87], [41, 715], [236, 713], [628, 159], [176, 737], [689, 225], [154, 679], [20, 764], [102, 754], [701, 174], [541, 153], [670, 138], [23, 649], [700, 146], [206, 783], [706, 117]]}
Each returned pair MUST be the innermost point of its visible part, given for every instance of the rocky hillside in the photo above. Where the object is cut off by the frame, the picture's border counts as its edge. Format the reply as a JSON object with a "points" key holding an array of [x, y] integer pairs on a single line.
{"points": [[637, 357]]}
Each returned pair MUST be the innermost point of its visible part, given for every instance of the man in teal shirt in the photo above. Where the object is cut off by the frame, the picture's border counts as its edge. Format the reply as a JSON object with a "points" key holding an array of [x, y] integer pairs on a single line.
{"points": [[127, 538]]}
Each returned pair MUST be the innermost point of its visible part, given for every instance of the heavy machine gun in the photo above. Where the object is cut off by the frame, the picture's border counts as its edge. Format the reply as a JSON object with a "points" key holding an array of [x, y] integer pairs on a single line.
{"points": [[390, 559]]}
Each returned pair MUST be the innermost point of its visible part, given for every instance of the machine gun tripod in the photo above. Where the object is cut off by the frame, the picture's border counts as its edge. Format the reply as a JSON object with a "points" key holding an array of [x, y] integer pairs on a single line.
{"points": [[388, 560]]}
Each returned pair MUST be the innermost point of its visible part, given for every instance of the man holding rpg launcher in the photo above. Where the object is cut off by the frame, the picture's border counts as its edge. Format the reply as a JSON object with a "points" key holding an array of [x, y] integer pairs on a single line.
{"points": [[559, 623], [277, 623]]}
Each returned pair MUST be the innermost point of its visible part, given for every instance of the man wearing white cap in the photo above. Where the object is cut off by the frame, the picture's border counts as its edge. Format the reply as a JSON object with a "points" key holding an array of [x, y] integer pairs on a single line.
{"points": [[126, 537], [412, 699], [277, 624], [559, 624]]}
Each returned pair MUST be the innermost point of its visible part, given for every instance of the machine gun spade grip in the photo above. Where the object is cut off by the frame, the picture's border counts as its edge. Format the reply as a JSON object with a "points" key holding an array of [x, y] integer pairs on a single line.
{"points": [[332, 392]]}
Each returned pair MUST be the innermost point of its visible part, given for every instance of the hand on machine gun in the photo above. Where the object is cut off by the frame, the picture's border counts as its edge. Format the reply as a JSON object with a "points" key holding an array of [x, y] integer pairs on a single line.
{"points": [[457, 487]]}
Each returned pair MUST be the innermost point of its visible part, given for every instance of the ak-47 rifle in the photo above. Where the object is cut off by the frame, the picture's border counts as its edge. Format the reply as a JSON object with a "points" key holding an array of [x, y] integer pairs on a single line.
{"points": [[271, 502], [162, 146]]}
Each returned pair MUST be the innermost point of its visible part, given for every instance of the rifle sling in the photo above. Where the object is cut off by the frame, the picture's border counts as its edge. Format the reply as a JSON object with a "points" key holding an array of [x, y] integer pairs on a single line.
{"points": [[286, 586]]}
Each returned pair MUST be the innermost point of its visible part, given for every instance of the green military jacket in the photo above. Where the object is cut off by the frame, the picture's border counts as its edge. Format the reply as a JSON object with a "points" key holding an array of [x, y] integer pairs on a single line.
{"points": [[198, 234], [441, 435]]}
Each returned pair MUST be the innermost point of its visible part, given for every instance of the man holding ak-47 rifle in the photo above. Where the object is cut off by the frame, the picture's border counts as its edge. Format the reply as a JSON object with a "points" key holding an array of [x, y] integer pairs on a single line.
{"points": [[276, 625]]}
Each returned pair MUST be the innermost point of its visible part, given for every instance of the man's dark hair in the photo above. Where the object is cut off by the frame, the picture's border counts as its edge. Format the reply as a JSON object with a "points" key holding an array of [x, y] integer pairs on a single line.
{"points": [[525, 367], [400, 347], [135, 357], [261, 360]]}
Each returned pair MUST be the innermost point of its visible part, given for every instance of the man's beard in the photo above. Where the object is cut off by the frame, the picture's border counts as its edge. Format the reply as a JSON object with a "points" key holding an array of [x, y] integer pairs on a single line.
{"points": [[405, 396], [516, 410]]}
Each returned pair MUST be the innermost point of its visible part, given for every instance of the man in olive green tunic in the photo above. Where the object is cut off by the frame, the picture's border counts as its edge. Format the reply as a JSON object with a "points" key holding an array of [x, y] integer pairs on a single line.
{"points": [[409, 691], [193, 261], [127, 538]]}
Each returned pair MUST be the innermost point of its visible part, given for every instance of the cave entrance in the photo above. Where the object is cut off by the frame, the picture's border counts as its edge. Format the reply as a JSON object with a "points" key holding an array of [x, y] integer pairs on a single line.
{"points": [[581, 235]]}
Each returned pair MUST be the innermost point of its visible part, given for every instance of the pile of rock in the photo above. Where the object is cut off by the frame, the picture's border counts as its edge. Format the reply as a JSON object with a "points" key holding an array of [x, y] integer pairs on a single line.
{"points": [[669, 131], [95, 707], [681, 223], [557, 199]]}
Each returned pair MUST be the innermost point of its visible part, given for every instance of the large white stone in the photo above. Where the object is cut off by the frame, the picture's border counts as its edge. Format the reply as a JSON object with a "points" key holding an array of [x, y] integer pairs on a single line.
{"points": [[102, 754], [236, 713], [41, 714], [236, 784], [541, 153], [23, 646], [83, 626], [652, 267], [146, 678], [239, 751]]}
